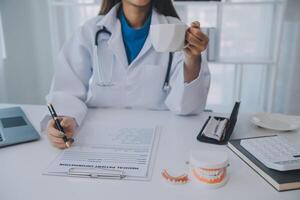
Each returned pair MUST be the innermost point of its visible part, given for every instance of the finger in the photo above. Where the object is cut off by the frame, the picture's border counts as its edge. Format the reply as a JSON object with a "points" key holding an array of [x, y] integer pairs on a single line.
{"points": [[59, 142], [51, 123], [52, 128], [192, 50], [198, 33], [195, 24], [67, 122], [63, 145], [60, 146], [67, 126], [54, 132], [204, 40], [53, 136], [69, 134], [55, 139], [193, 41], [197, 50], [187, 50]]}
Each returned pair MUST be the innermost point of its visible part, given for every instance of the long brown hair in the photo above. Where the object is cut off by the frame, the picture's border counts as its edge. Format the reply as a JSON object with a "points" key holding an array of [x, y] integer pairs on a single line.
{"points": [[164, 7]]}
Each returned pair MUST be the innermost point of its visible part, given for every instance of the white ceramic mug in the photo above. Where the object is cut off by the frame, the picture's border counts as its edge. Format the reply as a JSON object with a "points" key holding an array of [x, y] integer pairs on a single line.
{"points": [[168, 37]]}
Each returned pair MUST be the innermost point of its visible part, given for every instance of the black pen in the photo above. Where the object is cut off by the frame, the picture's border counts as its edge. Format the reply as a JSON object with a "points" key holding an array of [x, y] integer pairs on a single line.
{"points": [[59, 127]]}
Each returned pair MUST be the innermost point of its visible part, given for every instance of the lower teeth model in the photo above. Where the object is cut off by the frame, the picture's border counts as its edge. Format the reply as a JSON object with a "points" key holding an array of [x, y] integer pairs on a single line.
{"points": [[175, 179]]}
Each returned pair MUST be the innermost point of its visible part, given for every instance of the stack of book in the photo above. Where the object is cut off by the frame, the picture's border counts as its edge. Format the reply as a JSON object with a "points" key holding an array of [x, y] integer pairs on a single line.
{"points": [[280, 180]]}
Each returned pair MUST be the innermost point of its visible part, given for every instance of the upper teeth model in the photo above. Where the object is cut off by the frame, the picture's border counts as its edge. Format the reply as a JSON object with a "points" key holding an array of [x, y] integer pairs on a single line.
{"points": [[209, 176]]}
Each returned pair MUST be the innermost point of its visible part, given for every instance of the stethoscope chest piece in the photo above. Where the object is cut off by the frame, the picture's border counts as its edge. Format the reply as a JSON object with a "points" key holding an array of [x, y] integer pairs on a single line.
{"points": [[166, 87]]}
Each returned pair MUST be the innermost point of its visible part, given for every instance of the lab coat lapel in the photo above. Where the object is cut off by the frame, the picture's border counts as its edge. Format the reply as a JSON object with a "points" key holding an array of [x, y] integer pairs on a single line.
{"points": [[115, 43]]}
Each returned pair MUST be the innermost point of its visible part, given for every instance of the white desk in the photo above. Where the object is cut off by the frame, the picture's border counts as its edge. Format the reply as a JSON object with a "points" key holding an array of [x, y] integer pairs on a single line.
{"points": [[21, 166]]}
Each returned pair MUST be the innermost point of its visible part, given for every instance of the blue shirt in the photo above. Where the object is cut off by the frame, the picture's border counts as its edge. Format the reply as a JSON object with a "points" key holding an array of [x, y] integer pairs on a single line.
{"points": [[134, 39]]}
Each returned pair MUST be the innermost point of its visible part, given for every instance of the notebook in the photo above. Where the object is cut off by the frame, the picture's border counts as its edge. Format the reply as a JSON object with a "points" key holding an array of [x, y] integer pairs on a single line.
{"points": [[280, 180]]}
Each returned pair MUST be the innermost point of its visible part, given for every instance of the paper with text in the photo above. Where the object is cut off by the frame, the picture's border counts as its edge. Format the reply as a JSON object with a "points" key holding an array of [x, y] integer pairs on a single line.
{"points": [[124, 149]]}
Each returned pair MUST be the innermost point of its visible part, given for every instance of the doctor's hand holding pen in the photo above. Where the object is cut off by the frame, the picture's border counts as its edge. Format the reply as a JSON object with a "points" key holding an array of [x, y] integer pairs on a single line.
{"points": [[60, 129], [55, 135], [196, 42]]}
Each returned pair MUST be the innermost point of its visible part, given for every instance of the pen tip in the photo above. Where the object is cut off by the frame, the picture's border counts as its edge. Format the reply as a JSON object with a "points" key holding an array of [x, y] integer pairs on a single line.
{"points": [[68, 144]]}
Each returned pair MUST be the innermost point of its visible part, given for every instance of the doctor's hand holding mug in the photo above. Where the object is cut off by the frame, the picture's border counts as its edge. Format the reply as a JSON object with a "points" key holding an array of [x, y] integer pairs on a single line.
{"points": [[111, 62]]}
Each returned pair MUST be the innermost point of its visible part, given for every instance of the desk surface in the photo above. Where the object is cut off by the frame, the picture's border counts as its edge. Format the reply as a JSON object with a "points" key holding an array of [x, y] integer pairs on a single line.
{"points": [[22, 165]]}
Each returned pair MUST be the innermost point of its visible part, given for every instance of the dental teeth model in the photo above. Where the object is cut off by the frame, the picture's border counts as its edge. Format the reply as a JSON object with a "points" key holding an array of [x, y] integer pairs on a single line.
{"points": [[175, 179], [209, 168]]}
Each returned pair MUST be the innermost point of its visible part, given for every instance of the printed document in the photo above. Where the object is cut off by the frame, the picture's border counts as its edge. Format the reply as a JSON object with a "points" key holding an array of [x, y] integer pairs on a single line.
{"points": [[130, 150]]}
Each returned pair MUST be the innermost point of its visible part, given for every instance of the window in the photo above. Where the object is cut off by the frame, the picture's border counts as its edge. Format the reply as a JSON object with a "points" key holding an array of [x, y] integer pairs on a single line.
{"points": [[248, 37]]}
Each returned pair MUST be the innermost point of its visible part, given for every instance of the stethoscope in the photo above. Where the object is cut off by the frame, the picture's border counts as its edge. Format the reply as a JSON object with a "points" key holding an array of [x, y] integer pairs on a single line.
{"points": [[107, 83]]}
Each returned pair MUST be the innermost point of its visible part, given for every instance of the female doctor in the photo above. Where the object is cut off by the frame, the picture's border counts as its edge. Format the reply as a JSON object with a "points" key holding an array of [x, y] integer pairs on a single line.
{"points": [[110, 62]]}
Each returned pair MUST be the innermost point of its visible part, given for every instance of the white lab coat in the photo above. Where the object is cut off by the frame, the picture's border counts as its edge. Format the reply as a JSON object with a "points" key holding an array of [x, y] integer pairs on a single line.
{"points": [[138, 85]]}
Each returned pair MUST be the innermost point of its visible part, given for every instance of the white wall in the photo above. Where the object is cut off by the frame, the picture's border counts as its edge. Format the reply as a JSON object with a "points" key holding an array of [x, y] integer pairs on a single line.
{"points": [[28, 67]]}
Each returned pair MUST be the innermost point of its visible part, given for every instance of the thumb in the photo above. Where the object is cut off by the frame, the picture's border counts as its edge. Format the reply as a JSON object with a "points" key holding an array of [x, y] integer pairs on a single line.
{"points": [[67, 122]]}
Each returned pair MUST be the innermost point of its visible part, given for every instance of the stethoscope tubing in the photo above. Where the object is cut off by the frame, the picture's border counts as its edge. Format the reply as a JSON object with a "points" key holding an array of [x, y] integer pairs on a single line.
{"points": [[102, 83]]}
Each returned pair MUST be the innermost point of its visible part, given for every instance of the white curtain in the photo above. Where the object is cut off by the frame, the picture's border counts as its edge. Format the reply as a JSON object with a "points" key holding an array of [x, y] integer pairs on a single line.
{"points": [[287, 94], [293, 101], [2, 57], [2, 45]]}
